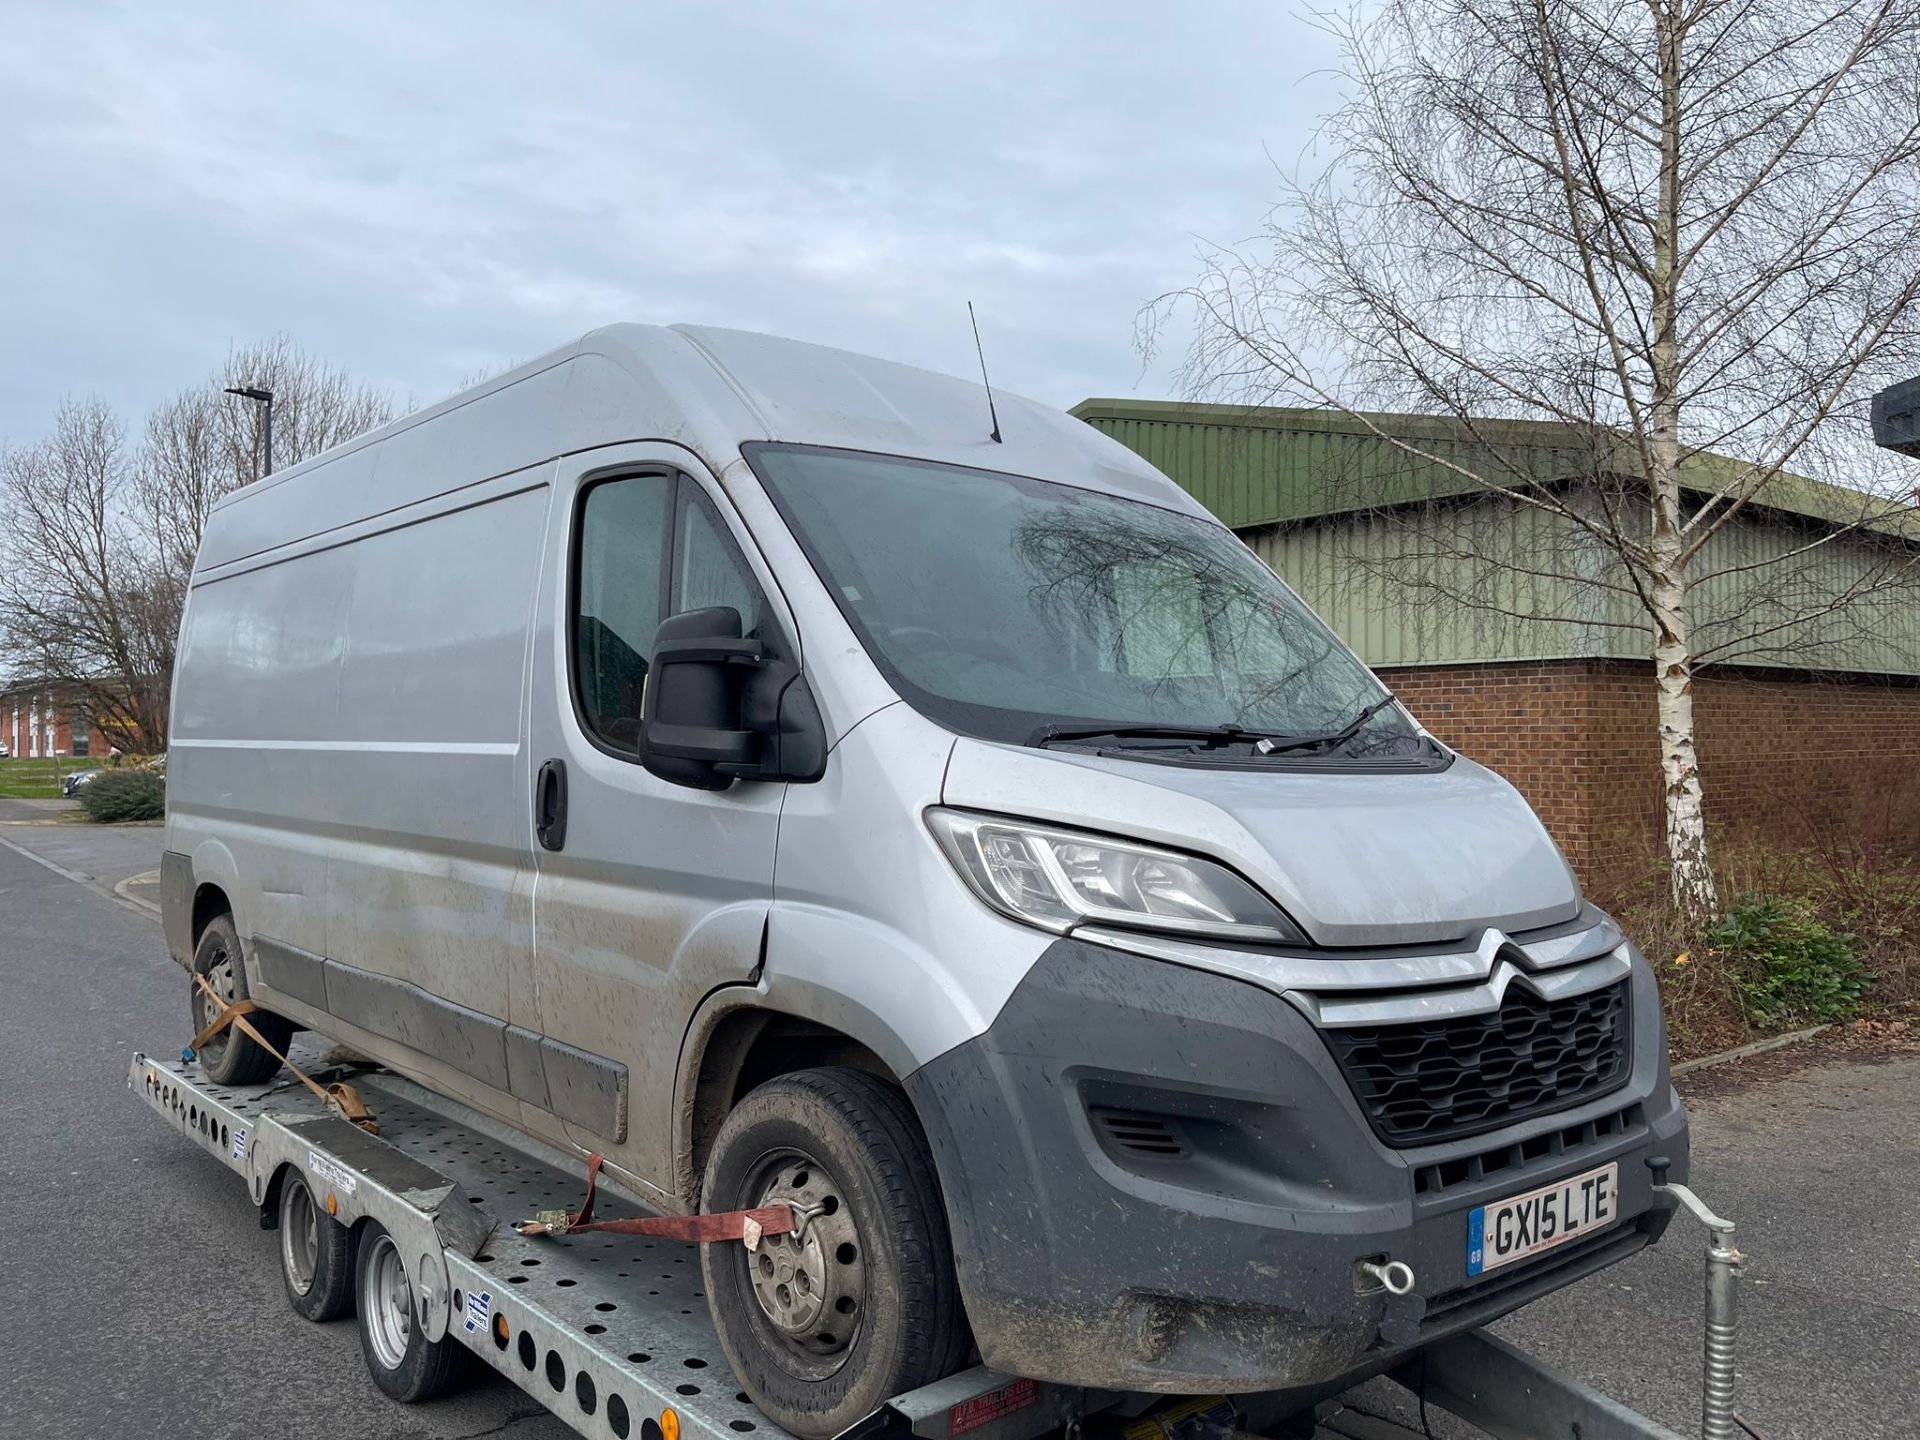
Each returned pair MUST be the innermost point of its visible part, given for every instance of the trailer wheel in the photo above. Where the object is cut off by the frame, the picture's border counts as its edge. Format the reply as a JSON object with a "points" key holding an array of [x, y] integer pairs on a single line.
{"points": [[403, 1362], [231, 1057], [822, 1328], [316, 1254]]}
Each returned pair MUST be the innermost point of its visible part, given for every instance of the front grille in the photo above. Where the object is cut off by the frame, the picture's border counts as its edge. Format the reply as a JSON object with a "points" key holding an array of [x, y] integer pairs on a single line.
{"points": [[1557, 1145], [1446, 1079]]}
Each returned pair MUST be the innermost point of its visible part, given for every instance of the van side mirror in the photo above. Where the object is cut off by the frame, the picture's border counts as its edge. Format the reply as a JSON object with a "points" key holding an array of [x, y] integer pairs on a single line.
{"points": [[692, 731]]}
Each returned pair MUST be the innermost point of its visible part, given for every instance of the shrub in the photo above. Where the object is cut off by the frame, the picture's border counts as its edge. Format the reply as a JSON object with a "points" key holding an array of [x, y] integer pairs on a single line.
{"points": [[125, 795], [1791, 967]]}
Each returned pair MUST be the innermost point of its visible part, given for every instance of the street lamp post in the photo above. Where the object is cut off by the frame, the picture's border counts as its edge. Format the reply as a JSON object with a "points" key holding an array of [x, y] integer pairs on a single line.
{"points": [[254, 392]]}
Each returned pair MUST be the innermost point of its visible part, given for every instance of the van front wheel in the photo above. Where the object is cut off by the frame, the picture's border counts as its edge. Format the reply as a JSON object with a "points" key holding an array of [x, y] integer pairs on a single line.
{"points": [[232, 1057], [824, 1325]]}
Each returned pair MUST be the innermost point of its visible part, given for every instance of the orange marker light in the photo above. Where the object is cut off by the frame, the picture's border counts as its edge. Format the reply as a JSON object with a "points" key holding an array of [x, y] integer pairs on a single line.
{"points": [[670, 1423], [333, 1204], [500, 1327]]}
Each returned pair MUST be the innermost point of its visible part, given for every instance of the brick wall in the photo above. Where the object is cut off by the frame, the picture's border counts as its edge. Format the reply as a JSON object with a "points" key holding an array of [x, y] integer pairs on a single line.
{"points": [[40, 722], [1784, 757]]}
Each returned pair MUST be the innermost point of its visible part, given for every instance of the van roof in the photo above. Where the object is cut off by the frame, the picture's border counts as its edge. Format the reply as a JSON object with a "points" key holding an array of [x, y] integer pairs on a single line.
{"points": [[710, 390]]}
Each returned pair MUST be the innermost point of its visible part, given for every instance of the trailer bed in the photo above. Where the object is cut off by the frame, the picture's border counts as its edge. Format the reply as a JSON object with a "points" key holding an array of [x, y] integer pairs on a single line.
{"points": [[611, 1333]]}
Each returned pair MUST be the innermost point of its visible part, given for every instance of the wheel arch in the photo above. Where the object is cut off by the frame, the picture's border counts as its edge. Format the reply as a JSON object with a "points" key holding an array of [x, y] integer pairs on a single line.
{"points": [[196, 885], [210, 901], [738, 1041]]}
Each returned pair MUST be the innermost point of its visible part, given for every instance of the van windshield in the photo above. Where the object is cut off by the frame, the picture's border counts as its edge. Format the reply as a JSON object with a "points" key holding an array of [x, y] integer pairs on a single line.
{"points": [[1003, 606]]}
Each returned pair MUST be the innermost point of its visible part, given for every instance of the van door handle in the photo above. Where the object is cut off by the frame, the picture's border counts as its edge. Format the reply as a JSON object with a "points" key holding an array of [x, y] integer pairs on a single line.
{"points": [[550, 804]]}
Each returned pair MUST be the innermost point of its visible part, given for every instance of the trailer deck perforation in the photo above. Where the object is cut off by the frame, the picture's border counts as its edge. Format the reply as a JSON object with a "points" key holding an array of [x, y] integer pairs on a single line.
{"points": [[627, 1313], [608, 1332]]}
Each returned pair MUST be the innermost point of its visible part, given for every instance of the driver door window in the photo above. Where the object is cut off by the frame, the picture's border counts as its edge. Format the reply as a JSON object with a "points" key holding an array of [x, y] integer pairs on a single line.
{"points": [[630, 545], [618, 597]]}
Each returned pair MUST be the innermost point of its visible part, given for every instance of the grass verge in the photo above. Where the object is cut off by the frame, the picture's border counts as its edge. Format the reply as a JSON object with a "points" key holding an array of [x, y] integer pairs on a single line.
{"points": [[35, 779]]}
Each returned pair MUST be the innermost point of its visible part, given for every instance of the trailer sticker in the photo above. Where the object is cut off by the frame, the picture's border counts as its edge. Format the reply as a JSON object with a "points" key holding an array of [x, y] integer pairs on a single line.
{"points": [[994, 1405], [336, 1175], [239, 1144], [479, 1311]]}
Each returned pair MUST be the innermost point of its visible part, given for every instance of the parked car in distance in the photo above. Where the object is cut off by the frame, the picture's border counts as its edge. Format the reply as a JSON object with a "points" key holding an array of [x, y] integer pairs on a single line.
{"points": [[73, 780], [725, 755]]}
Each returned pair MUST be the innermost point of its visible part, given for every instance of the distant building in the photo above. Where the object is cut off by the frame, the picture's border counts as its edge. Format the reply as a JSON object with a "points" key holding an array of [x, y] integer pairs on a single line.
{"points": [[47, 718], [1513, 635]]}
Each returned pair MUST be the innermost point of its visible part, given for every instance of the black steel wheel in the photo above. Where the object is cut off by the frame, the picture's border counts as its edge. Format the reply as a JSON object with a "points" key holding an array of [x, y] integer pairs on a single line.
{"points": [[232, 1057], [823, 1325], [316, 1253]]}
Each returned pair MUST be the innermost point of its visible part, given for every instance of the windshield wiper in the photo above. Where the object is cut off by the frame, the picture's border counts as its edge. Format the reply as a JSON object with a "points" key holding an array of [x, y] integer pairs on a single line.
{"points": [[1048, 734], [1273, 746], [1265, 742]]}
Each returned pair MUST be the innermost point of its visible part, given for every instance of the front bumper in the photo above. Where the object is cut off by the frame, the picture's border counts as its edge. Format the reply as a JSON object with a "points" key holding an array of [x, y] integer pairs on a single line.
{"points": [[1158, 1179]]}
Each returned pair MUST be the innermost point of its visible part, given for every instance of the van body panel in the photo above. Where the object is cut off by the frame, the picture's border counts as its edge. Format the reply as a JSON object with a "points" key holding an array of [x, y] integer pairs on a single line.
{"points": [[429, 863], [506, 426], [419, 1065], [660, 892], [177, 890], [249, 767], [1207, 1126], [874, 959], [1354, 859], [811, 394]]}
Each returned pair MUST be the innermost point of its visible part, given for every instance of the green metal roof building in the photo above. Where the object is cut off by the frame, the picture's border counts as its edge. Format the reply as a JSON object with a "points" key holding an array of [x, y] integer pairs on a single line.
{"points": [[1367, 534], [1516, 634]]}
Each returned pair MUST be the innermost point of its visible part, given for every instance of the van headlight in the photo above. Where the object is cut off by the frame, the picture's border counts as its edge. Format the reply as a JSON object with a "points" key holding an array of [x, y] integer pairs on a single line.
{"points": [[1058, 879]]}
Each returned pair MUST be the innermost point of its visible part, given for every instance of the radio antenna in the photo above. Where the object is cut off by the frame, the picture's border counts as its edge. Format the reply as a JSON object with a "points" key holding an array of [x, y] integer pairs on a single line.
{"points": [[980, 350]]}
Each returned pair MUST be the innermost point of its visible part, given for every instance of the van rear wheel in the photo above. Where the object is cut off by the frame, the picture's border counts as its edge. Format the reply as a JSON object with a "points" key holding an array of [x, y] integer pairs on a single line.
{"points": [[824, 1326], [232, 1057]]}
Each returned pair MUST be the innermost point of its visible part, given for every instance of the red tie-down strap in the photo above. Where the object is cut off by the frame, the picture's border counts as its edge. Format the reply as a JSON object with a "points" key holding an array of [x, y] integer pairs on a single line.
{"points": [[743, 1225]]}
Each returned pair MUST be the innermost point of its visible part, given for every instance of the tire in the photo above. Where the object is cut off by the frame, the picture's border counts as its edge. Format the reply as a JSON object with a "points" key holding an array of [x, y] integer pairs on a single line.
{"points": [[231, 1057], [403, 1362], [316, 1254], [822, 1331]]}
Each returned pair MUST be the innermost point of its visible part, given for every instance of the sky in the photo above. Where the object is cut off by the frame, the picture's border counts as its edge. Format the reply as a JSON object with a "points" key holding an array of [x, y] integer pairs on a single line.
{"points": [[426, 193]]}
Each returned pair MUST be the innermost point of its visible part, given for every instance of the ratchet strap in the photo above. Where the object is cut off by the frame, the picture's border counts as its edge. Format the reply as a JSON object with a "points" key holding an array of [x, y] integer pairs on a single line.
{"points": [[338, 1097], [746, 1226]]}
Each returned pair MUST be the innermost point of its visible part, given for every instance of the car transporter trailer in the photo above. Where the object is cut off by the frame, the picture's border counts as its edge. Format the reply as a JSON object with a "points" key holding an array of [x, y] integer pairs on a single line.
{"points": [[610, 1331]]}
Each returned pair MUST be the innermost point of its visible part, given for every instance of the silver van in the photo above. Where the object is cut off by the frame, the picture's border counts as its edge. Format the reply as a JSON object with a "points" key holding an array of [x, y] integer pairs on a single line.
{"points": [[728, 756]]}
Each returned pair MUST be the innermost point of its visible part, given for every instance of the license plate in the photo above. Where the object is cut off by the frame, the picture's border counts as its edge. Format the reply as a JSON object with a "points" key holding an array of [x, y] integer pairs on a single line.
{"points": [[1524, 1225]]}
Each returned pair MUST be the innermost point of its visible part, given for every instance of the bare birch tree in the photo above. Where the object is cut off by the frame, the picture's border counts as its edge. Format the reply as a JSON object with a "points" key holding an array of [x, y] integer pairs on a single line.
{"points": [[205, 443], [87, 606], [98, 538], [1676, 228]]}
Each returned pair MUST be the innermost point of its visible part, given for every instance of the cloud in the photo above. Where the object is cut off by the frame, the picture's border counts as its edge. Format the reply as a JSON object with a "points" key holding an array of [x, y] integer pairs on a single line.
{"points": [[408, 188]]}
